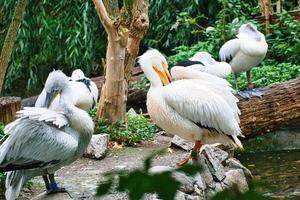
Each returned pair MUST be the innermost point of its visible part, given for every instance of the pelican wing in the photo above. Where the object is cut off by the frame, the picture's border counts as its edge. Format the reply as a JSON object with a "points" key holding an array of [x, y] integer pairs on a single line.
{"points": [[34, 144], [229, 50], [42, 114], [201, 105]]}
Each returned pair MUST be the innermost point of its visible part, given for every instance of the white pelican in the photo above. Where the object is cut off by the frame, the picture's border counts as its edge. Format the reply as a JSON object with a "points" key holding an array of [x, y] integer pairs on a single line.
{"points": [[245, 52], [202, 110], [203, 61], [84, 93], [41, 141]]}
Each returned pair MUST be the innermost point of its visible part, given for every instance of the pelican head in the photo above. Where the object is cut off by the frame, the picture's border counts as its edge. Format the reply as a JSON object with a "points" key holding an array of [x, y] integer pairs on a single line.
{"points": [[249, 30], [203, 57], [155, 67], [77, 75], [56, 83]]}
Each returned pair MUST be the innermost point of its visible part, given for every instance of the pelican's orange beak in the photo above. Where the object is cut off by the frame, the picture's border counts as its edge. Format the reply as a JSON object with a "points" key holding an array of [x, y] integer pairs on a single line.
{"points": [[164, 76]]}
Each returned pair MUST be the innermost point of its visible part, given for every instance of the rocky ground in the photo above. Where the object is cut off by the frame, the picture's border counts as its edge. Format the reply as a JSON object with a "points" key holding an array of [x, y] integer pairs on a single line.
{"points": [[82, 177], [220, 171]]}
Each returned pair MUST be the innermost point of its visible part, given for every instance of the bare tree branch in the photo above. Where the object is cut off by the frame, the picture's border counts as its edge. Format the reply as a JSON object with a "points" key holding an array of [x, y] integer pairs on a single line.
{"points": [[103, 16]]}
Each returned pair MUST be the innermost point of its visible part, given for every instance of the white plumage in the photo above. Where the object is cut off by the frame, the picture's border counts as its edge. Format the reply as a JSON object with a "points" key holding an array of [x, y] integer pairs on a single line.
{"points": [[41, 141], [200, 108], [84, 93], [203, 61], [245, 52]]}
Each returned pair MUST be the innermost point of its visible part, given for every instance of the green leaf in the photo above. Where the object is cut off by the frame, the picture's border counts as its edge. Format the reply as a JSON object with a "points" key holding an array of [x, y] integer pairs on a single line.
{"points": [[104, 188]]}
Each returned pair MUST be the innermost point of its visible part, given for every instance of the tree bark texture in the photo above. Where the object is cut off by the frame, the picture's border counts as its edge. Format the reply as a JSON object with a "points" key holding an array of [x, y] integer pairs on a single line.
{"points": [[10, 39], [112, 96], [267, 10], [279, 106], [125, 28], [8, 108]]}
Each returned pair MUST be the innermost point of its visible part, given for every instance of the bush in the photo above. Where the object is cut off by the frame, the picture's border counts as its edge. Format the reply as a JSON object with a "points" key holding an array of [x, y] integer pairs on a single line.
{"points": [[137, 129]]}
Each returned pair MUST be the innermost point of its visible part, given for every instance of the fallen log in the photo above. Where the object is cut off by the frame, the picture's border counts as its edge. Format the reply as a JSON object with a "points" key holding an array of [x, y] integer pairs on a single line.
{"points": [[278, 107], [8, 108]]}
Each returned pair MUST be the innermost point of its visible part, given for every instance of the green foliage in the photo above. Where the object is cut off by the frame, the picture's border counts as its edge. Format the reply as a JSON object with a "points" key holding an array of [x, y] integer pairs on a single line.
{"points": [[93, 112], [2, 134], [142, 84], [268, 74], [284, 39], [137, 129], [66, 33], [139, 182]]}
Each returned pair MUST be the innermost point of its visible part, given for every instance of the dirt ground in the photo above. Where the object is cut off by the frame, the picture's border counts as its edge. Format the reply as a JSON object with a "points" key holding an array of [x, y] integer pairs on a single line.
{"points": [[82, 177]]}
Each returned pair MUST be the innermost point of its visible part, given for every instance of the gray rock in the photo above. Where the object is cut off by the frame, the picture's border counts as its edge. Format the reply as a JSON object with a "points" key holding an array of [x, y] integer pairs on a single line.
{"points": [[200, 182], [233, 163], [181, 143], [187, 182], [132, 112], [236, 177], [182, 196], [98, 146], [214, 164], [57, 196]]}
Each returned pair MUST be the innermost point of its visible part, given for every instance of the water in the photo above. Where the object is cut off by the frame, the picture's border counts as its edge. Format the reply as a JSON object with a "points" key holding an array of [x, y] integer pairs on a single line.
{"points": [[274, 160], [276, 174]]}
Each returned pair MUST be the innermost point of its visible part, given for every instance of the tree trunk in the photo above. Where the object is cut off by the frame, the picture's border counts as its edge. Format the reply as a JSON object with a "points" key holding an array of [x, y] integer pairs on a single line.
{"points": [[266, 9], [125, 29], [10, 39], [8, 108], [112, 96]]}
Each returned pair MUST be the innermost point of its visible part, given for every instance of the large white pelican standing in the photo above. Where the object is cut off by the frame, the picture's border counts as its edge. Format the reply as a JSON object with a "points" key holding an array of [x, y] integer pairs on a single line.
{"points": [[203, 61], [245, 52], [41, 141], [202, 110], [84, 93]]}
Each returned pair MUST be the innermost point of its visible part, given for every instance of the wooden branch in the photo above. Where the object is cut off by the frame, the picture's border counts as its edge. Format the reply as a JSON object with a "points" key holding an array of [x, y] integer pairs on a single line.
{"points": [[10, 39], [103, 16]]}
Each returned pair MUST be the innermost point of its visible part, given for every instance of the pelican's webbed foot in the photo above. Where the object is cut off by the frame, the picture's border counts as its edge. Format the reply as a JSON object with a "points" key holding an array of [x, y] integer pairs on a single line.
{"points": [[55, 189], [244, 94], [52, 186], [256, 93]]}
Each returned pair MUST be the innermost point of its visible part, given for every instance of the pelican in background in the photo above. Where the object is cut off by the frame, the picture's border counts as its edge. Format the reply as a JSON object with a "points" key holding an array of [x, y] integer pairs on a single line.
{"points": [[41, 141], [203, 61], [194, 109], [84, 93], [243, 53]]}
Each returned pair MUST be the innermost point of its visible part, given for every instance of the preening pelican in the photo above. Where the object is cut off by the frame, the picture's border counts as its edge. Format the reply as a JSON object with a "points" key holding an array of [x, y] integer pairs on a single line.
{"points": [[203, 61], [84, 93], [200, 109], [245, 52], [41, 141]]}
